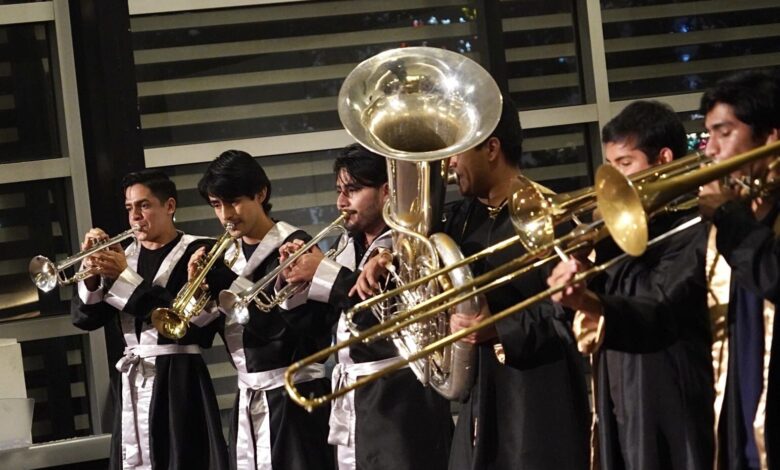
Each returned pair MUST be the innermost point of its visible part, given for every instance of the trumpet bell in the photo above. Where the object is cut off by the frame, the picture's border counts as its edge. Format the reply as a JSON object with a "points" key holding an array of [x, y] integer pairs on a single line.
{"points": [[169, 323], [419, 104], [43, 273], [233, 305]]}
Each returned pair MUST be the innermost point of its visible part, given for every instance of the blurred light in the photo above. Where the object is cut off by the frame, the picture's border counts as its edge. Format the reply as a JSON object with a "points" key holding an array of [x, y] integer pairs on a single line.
{"points": [[685, 57], [433, 20]]}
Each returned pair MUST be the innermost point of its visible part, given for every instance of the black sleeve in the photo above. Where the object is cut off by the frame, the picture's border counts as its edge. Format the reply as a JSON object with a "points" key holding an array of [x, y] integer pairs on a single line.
{"points": [[650, 301], [750, 248], [90, 317]]}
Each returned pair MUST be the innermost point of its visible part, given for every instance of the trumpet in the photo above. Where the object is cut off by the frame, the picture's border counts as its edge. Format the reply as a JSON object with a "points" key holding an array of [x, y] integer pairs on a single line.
{"points": [[46, 274], [235, 303], [172, 322]]}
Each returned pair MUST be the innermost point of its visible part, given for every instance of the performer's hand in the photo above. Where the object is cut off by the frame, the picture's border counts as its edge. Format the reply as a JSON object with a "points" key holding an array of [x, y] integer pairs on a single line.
{"points": [[109, 263], [305, 266], [459, 321], [370, 278], [575, 296], [194, 263], [289, 248], [713, 195]]}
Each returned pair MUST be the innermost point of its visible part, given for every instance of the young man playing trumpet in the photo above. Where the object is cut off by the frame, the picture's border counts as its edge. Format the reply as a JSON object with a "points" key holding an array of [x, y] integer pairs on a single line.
{"points": [[268, 431], [395, 422], [648, 315], [166, 413], [742, 113]]}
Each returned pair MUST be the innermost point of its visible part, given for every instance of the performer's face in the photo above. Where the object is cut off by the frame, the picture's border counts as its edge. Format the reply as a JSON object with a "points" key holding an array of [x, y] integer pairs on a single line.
{"points": [[365, 201], [473, 171], [154, 216], [244, 213], [729, 137], [626, 158]]}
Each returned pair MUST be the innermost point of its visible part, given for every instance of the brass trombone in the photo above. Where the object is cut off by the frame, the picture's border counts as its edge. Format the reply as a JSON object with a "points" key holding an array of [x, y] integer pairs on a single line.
{"points": [[625, 205], [173, 322], [235, 303], [46, 274], [406, 319], [658, 189]]}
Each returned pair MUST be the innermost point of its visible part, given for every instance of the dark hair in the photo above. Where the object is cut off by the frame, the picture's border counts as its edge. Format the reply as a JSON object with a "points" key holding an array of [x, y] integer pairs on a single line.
{"points": [[754, 96], [651, 125], [364, 166], [234, 174], [158, 183], [509, 132]]}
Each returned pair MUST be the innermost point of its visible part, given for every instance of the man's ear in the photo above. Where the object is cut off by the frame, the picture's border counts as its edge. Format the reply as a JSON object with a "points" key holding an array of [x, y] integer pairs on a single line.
{"points": [[494, 148], [384, 191], [170, 206], [665, 156], [260, 196]]}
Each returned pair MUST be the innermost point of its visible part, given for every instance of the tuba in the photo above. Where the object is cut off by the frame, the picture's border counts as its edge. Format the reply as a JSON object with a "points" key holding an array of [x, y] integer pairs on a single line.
{"points": [[418, 107]]}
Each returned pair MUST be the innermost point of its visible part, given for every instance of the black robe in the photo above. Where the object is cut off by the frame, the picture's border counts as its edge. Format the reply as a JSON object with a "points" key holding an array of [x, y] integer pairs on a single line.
{"points": [[654, 369], [399, 423], [752, 250], [275, 340], [185, 428], [532, 411]]}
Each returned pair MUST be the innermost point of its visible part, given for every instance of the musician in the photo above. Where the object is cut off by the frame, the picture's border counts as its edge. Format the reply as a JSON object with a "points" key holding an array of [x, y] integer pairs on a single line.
{"points": [[396, 423], [166, 414], [267, 429], [652, 364], [528, 406], [742, 112]]}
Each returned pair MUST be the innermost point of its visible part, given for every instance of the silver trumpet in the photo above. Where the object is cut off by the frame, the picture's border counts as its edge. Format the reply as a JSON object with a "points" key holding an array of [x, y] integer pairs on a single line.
{"points": [[235, 303], [46, 274]]}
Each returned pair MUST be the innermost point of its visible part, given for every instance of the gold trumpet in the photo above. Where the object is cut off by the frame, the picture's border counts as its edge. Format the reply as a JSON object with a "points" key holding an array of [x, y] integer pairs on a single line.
{"points": [[46, 274], [661, 185], [173, 322], [235, 303]]}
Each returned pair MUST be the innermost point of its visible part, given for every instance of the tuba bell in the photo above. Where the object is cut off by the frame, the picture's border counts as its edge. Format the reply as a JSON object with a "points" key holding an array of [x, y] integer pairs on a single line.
{"points": [[418, 107]]}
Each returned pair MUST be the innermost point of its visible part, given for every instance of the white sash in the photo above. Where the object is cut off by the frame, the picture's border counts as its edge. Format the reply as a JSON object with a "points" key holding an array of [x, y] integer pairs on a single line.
{"points": [[137, 394], [253, 439]]}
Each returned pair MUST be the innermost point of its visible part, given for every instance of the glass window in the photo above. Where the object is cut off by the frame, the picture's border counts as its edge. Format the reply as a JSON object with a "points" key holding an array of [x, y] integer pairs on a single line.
{"points": [[272, 70], [55, 376], [662, 47], [33, 221], [558, 157], [541, 51], [28, 126]]}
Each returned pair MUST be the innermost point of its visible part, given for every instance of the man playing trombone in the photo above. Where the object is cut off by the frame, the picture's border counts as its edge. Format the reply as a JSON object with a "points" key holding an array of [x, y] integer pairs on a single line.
{"points": [[166, 414], [743, 113], [395, 423], [268, 431], [646, 322]]}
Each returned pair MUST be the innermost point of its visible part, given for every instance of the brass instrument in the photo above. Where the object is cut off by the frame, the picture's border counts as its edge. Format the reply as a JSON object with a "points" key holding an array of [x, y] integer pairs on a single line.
{"points": [[173, 322], [418, 107], [235, 303], [536, 212], [625, 205], [46, 274], [661, 184], [384, 330]]}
